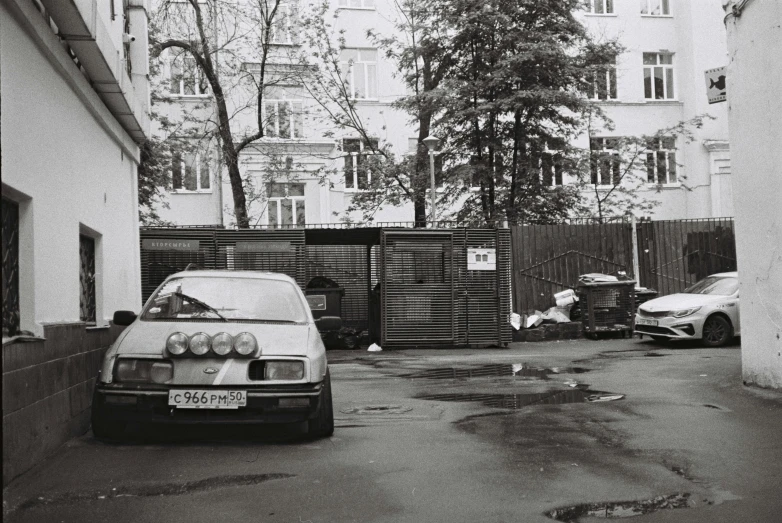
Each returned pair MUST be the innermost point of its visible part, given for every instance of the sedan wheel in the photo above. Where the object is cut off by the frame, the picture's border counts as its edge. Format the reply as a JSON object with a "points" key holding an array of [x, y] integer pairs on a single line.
{"points": [[717, 331]]}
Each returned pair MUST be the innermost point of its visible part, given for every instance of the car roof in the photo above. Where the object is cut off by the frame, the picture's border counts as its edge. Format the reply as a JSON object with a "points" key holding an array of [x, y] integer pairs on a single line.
{"points": [[250, 275], [733, 274]]}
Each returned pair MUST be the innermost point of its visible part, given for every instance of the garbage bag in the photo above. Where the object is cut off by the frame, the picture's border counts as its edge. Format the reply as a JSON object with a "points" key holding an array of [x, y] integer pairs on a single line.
{"points": [[374, 348], [515, 321], [554, 315]]}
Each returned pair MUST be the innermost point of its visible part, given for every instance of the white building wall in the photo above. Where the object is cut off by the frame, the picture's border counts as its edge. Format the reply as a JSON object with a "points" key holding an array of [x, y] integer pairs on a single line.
{"points": [[755, 43], [73, 169]]}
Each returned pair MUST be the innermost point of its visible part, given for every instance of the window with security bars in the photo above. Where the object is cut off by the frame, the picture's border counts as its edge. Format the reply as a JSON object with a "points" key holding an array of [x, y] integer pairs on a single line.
{"points": [[658, 76], [605, 161], [10, 253], [286, 204], [87, 279], [661, 161]]}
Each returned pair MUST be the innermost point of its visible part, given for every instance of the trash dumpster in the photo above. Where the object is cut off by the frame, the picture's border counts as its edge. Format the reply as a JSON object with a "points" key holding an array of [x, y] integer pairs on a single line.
{"points": [[607, 306]]}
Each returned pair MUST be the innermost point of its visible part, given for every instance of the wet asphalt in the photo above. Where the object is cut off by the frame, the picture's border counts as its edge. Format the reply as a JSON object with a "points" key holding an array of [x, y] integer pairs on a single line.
{"points": [[555, 431]]}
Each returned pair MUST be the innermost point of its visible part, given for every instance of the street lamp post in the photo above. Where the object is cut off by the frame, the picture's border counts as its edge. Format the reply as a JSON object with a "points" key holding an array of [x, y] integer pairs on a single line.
{"points": [[431, 142]]}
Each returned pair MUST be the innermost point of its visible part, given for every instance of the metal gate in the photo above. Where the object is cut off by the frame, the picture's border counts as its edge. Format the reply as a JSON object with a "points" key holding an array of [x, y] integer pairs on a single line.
{"points": [[417, 286]]}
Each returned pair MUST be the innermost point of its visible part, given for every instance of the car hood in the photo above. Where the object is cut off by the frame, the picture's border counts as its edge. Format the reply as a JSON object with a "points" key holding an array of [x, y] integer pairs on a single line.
{"points": [[681, 301], [149, 337]]}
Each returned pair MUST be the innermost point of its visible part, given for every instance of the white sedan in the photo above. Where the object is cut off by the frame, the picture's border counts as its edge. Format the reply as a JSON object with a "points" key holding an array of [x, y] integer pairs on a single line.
{"points": [[708, 310]]}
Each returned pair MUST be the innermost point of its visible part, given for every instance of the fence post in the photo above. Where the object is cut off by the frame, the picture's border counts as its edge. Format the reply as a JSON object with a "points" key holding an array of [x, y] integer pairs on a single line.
{"points": [[636, 265]]}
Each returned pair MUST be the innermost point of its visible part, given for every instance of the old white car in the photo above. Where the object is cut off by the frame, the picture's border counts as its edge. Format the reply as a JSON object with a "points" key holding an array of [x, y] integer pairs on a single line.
{"points": [[708, 310], [216, 347]]}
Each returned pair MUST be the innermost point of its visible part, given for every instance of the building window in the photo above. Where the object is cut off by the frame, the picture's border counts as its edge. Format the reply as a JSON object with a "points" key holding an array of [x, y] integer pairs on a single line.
{"points": [[283, 119], [359, 72], [190, 172], [603, 86], [10, 213], [605, 161], [656, 7], [551, 168], [286, 204], [601, 7], [357, 4], [658, 76], [356, 150], [186, 77], [87, 279], [281, 32], [661, 161]]}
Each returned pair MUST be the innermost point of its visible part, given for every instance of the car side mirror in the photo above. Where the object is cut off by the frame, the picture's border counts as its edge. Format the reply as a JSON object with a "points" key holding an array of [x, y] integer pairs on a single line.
{"points": [[329, 323], [124, 317]]}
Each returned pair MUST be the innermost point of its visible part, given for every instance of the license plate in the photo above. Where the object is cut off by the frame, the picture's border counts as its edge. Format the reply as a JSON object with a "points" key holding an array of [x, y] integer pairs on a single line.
{"points": [[207, 399], [641, 321]]}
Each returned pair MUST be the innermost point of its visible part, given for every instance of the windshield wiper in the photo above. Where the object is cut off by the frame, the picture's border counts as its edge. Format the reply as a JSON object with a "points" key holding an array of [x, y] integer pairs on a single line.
{"points": [[196, 301]]}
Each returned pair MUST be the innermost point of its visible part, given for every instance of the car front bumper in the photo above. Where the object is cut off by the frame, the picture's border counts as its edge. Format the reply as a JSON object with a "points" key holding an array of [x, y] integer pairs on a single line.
{"points": [[686, 328], [150, 405]]}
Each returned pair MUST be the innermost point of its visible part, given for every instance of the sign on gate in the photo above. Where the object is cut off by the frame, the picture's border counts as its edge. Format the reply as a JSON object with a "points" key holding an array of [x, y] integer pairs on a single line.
{"points": [[169, 244], [481, 259], [263, 246]]}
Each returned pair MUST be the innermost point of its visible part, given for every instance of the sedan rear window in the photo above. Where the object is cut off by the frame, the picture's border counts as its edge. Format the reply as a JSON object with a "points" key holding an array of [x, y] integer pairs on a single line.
{"points": [[221, 298], [719, 286]]}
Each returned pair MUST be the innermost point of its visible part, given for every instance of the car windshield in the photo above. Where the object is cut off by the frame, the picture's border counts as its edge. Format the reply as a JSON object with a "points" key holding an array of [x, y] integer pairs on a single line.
{"points": [[720, 286], [226, 299]]}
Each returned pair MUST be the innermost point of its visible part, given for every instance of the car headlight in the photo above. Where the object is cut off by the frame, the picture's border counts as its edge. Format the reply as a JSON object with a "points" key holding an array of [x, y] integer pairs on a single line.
{"points": [[176, 344], [199, 344], [684, 312], [245, 343], [144, 371], [284, 370], [222, 343]]}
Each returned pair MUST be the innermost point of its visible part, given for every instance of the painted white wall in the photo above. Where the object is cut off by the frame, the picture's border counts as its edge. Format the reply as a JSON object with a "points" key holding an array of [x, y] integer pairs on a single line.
{"points": [[74, 175], [755, 41]]}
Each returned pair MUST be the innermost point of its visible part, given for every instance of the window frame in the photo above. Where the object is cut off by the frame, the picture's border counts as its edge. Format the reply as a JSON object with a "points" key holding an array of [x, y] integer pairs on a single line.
{"points": [[646, 8], [197, 78], [362, 8], [557, 167], [288, 29], [348, 66], [361, 152], [658, 148], [606, 153], [197, 163], [276, 201], [291, 118], [668, 82], [611, 85], [605, 4]]}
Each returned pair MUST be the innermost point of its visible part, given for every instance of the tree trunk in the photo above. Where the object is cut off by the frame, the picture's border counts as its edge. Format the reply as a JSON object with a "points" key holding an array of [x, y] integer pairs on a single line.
{"points": [[420, 180]]}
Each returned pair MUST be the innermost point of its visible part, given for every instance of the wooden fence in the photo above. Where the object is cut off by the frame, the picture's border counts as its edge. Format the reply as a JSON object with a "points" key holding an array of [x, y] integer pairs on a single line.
{"points": [[671, 255]]}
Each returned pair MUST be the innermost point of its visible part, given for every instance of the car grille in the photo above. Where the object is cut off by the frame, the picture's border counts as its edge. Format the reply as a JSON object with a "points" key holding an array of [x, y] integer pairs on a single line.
{"points": [[651, 329], [655, 314]]}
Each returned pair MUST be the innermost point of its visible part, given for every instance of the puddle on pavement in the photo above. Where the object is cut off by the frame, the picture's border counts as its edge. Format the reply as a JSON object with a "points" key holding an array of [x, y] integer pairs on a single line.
{"points": [[518, 401], [620, 509], [495, 370]]}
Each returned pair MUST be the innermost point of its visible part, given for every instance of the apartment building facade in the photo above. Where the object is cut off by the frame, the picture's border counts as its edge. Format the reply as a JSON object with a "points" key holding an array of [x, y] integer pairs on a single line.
{"points": [[658, 82]]}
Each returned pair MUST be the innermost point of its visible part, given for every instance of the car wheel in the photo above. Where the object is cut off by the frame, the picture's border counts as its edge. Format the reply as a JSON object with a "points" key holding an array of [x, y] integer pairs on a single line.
{"points": [[660, 339], [717, 331], [322, 426]]}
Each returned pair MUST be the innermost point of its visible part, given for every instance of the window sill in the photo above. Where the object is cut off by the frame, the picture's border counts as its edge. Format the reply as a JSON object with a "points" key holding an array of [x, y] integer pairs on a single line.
{"points": [[183, 191], [347, 190], [603, 15], [656, 16], [672, 101], [348, 8], [189, 97], [675, 185]]}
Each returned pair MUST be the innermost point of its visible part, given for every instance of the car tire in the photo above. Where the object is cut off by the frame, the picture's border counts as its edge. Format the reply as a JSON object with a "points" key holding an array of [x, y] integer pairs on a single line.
{"points": [[322, 426], [717, 331]]}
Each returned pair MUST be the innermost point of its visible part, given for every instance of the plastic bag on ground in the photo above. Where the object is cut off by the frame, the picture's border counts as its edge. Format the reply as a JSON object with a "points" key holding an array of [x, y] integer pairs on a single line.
{"points": [[374, 348], [555, 315], [515, 321]]}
